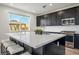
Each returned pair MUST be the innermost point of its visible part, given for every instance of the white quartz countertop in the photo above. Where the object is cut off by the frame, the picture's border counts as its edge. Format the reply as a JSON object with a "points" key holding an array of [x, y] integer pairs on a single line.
{"points": [[35, 40]]}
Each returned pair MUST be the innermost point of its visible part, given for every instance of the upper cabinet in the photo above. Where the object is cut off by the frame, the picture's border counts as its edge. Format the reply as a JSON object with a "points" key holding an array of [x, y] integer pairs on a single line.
{"points": [[47, 20], [44, 20], [59, 16], [38, 18], [55, 19], [77, 16], [69, 13]]}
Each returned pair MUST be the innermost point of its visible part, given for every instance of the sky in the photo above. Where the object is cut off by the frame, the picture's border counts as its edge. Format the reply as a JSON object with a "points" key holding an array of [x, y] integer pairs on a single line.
{"points": [[22, 19]]}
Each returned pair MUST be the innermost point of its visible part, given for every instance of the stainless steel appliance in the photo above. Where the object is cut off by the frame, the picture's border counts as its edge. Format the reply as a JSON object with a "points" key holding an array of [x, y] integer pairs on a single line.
{"points": [[68, 43], [68, 21]]}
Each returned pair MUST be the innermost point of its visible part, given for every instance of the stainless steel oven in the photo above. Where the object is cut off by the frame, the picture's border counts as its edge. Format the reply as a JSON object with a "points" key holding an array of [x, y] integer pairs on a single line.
{"points": [[69, 42]]}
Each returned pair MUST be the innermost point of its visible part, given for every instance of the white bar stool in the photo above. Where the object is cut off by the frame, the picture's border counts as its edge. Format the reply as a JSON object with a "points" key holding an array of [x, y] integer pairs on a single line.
{"points": [[8, 43], [5, 44], [15, 49], [2, 41]]}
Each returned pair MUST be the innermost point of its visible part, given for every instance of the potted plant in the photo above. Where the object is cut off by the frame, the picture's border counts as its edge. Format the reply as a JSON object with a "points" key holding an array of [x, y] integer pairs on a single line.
{"points": [[38, 31]]}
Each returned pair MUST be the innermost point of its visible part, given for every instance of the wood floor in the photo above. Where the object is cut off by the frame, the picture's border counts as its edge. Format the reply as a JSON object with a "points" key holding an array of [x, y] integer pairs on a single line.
{"points": [[70, 51]]}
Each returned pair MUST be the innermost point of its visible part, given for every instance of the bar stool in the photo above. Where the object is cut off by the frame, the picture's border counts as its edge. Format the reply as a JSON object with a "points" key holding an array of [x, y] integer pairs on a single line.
{"points": [[12, 48], [15, 49], [2, 41], [26, 53], [2, 48], [5, 44]]}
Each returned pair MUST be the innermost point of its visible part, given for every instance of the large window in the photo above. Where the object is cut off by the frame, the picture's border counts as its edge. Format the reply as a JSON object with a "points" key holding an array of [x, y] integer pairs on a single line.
{"points": [[18, 22]]}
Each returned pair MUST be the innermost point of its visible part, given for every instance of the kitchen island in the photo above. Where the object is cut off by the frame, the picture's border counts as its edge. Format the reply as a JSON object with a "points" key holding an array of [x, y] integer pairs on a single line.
{"points": [[35, 41]]}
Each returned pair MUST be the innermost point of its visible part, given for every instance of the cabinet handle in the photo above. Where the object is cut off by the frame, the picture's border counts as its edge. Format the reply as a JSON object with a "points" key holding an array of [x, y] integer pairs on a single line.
{"points": [[58, 43]]}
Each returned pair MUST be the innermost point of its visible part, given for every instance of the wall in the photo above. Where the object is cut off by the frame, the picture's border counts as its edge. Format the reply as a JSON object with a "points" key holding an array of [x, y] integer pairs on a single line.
{"points": [[4, 28], [62, 28]]}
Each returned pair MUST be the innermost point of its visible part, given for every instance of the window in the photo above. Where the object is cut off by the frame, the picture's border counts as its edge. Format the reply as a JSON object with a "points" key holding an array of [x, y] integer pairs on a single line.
{"points": [[18, 23]]}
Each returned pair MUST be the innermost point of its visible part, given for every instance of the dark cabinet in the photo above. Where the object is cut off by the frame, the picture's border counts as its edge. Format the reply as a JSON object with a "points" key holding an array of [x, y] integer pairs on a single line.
{"points": [[38, 20], [53, 19], [61, 41], [76, 41], [59, 17], [47, 20], [69, 13], [63, 14], [77, 16], [44, 20], [69, 38], [53, 48]]}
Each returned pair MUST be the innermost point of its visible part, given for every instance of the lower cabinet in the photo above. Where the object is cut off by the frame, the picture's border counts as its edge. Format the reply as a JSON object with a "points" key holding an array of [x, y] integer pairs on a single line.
{"points": [[76, 41], [38, 51], [69, 38], [53, 48], [56, 47]]}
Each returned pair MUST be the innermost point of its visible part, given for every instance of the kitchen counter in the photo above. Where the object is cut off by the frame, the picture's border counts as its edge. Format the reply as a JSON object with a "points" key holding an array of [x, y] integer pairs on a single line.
{"points": [[58, 32], [35, 40]]}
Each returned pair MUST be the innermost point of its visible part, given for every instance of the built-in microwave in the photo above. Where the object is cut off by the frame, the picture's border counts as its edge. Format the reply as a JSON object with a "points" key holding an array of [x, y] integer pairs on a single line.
{"points": [[68, 21]]}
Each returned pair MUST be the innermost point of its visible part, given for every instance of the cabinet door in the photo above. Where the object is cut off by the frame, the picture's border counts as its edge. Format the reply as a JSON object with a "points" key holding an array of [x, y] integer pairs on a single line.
{"points": [[76, 41], [46, 20], [59, 17], [40, 21], [69, 13], [62, 41], [38, 18], [77, 16], [53, 49], [53, 19], [69, 38]]}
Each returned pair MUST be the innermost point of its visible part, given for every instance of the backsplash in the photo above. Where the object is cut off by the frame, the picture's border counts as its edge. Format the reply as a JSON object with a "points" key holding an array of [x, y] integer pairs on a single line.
{"points": [[62, 28]]}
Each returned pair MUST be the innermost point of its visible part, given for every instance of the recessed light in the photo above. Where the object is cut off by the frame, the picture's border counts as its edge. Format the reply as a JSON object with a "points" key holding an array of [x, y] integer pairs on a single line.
{"points": [[50, 4]]}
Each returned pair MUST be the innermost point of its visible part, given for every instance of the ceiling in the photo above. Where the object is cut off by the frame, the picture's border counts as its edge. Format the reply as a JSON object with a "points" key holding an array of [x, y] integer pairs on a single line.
{"points": [[37, 8]]}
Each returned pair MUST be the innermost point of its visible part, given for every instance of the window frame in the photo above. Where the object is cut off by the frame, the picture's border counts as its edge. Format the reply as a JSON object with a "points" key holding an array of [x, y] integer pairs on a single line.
{"points": [[20, 23]]}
